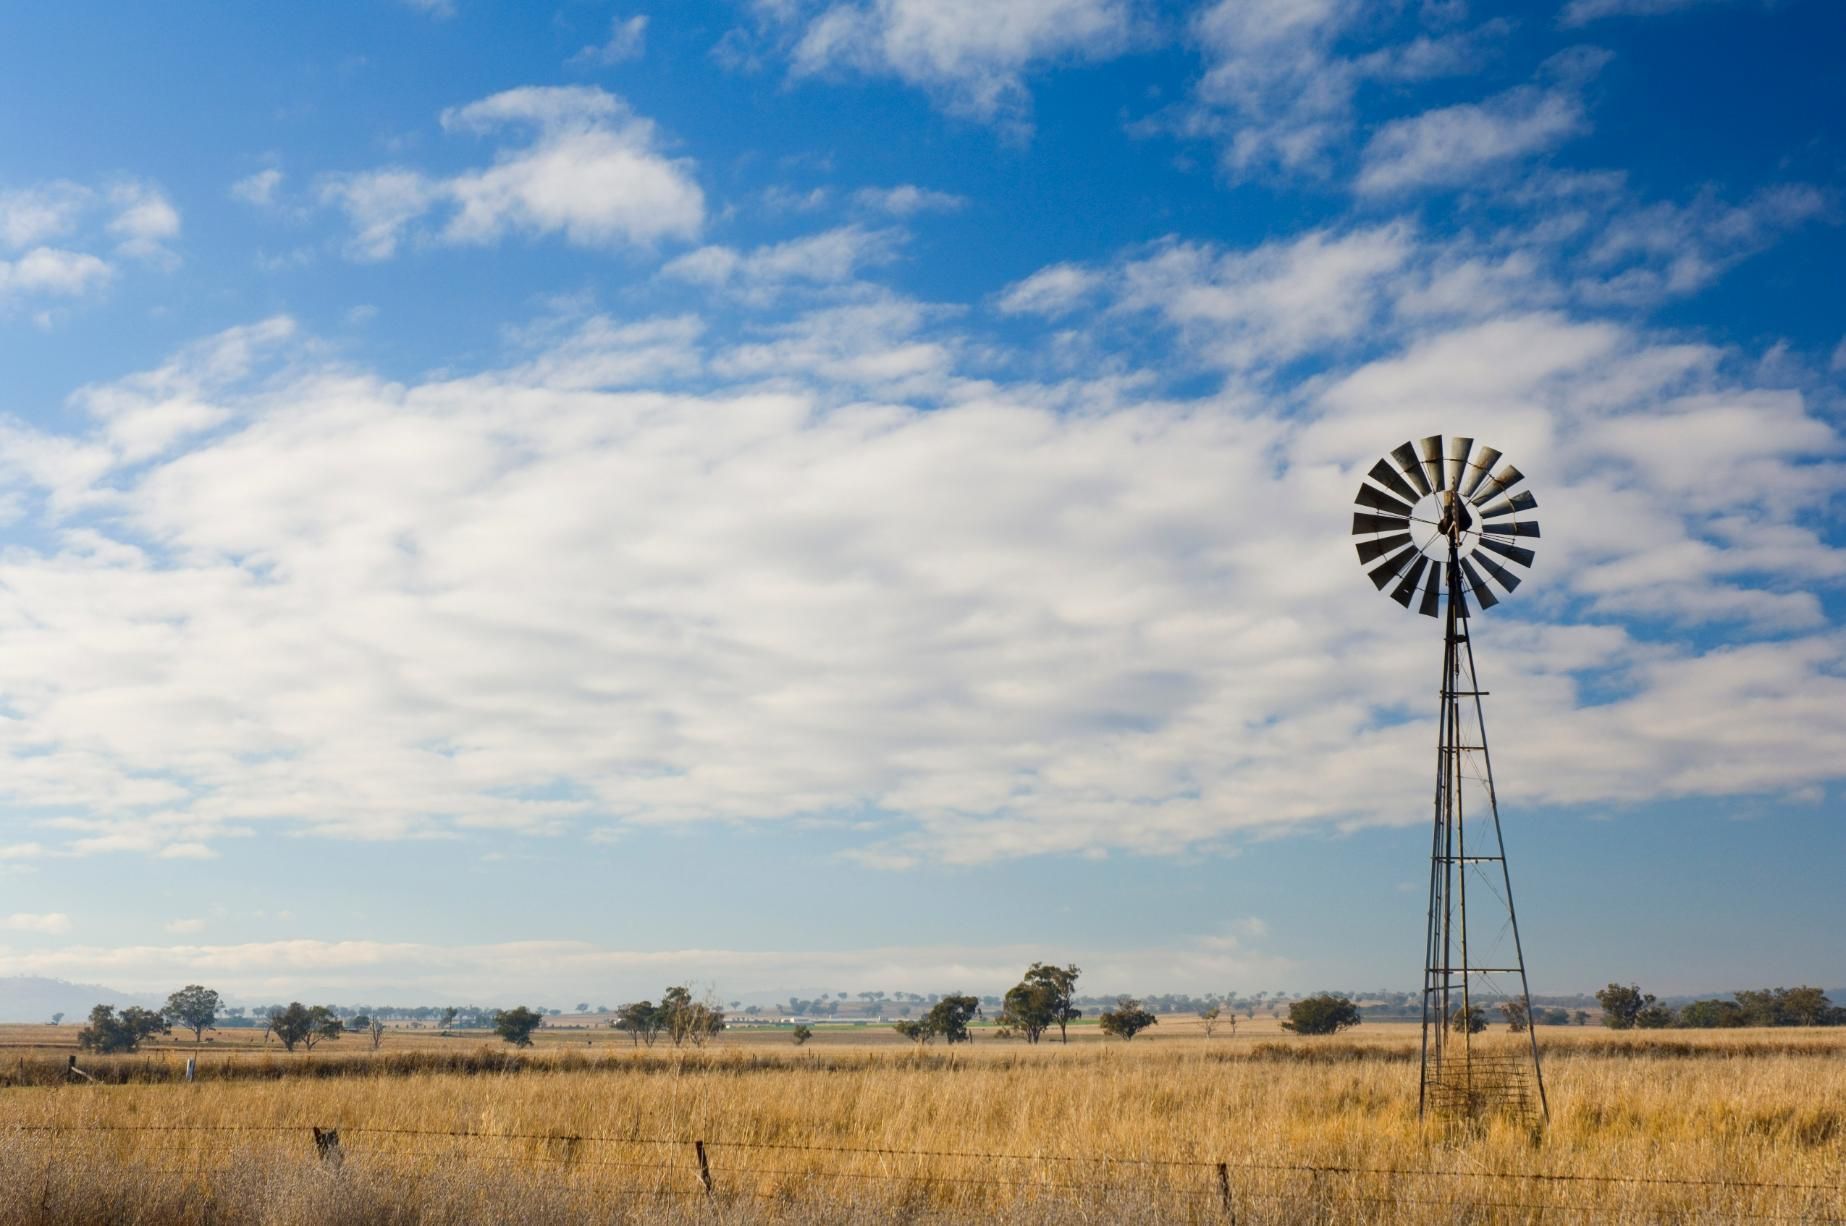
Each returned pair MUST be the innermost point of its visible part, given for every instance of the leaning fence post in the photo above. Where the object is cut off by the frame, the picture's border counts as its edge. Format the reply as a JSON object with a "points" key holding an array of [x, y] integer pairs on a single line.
{"points": [[698, 1147], [192, 1067], [1224, 1192]]}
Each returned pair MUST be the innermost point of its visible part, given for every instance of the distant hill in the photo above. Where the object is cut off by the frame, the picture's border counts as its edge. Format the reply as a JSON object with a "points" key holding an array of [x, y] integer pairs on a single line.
{"points": [[30, 998]]}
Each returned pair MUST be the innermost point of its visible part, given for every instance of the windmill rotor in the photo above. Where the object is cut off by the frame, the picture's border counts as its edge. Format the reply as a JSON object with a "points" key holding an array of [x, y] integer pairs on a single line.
{"points": [[1428, 516]]}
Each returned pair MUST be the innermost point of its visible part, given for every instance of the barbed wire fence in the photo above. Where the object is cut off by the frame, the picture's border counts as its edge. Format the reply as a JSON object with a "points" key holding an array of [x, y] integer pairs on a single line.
{"points": [[718, 1169]]}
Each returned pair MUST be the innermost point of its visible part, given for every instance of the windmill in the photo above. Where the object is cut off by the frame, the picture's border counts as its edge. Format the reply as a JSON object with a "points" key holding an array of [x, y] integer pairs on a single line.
{"points": [[1439, 531]]}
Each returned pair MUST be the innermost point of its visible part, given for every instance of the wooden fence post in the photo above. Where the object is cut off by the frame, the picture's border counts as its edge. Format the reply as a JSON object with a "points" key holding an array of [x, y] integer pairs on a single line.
{"points": [[1224, 1192], [698, 1147], [327, 1145]]}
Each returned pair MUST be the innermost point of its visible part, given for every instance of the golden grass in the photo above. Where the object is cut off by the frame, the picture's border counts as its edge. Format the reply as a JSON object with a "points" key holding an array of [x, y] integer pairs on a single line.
{"points": [[1329, 1137]]}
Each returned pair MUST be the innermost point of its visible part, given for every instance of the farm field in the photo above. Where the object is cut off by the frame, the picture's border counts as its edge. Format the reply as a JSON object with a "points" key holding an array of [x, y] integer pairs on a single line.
{"points": [[1259, 1128]]}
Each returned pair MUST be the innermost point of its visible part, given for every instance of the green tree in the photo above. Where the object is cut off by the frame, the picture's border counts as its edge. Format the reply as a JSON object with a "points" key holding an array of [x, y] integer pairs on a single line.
{"points": [[1208, 1018], [641, 1020], [1471, 1018], [1322, 1013], [193, 1008], [949, 1017], [1060, 986], [1127, 1019], [298, 1025], [1517, 1018], [687, 1020], [57, 1019], [1804, 1006], [914, 1030], [1711, 1014], [1653, 1016], [801, 1034], [1028, 1009], [516, 1025], [1621, 1006], [110, 1032]]}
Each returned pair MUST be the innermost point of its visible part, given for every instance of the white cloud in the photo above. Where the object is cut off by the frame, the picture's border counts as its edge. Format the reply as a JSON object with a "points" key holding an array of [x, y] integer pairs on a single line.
{"points": [[627, 40], [972, 56], [1582, 12], [829, 258], [1280, 82], [593, 174], [50, 210], [560, 968], [1267, 306], [1664, 249], [1052, 291], [907, 200], [652, 575], [51, 923], [145, 221], [48, 270], [258, 189], [1456, 144]]}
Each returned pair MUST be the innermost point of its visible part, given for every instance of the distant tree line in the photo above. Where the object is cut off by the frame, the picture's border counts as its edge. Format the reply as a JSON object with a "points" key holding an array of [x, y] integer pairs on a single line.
{"points": [[1629, 1008]]}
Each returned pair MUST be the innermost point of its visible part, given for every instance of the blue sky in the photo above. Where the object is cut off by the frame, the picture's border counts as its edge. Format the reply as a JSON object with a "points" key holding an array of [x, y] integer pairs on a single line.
{"points": [[536, 503]]}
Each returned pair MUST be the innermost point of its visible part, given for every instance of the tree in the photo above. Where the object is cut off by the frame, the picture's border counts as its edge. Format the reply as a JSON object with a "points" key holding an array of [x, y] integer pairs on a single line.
{"points": [[1621, 1006], [687, 1020], [1127, 1019], [1209, 1018], [57, 1019], [448, 1018], [949, 1017], [193, 1008], [913, 1030], [377, 1032], [1582, 1016], [1027, 1008], [297, 1024], [1471, 1018], [801, 1034], [1323, 1013], [583, 1007], [1060, 986], [1803, 1006], [1517, 1018], [516, 1025], [108, 1032], [1711, 1014], [641, 1020]]}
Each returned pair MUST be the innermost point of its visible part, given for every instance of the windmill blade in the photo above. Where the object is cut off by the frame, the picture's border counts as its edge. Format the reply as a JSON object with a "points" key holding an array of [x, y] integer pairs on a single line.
{"points": [[1458, 460], [1478, 468], [1482, 592], [1432, 461], [1522, 501], [1386, 476], [1431, 591], [1517, 527], [1458, 590], [1377, 500], [1391, 566], [1521, 556], [1379, 546], [1507, 578], [1505, 479], [1363, 523], [1406, 457], [1408, 586]]}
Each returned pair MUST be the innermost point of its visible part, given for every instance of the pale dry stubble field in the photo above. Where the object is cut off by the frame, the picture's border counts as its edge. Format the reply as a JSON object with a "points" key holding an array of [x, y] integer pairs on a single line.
{"points": [[1257, 1128]]}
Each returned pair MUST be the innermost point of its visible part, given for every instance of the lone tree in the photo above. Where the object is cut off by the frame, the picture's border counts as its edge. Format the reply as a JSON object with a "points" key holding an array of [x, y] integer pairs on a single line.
{"points": [[1208, 1018], [298, 1025], [1028, 1009], [1060, 986], [801, 1034], [1622, 1007], [1127, 1019], [1516, 1017], [516, 1025], [1471, 1018], [687, 1020], [949, 1017], [1322, 1013], [108, 1032], [195, 1008]]}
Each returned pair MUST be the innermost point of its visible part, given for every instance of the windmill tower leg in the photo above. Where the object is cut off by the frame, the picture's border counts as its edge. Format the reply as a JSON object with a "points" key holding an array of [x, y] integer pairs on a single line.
{"points": [[1460, 1078]]}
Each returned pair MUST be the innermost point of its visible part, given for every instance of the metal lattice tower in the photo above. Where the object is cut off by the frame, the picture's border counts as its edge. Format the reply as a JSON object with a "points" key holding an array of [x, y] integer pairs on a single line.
{"points": [[1433, 529]]}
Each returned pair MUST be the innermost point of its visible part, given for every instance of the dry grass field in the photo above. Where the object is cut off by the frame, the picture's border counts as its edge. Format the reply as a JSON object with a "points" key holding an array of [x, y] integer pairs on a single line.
{"points": [[1682, 1127]]}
